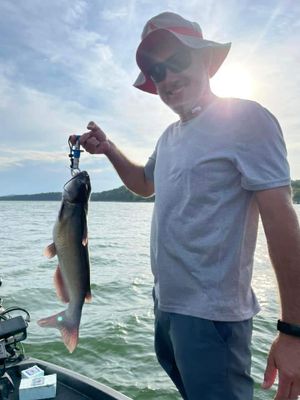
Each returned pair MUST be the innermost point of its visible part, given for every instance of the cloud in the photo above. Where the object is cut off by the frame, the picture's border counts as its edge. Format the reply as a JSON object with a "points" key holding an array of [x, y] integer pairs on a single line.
{"points": [[33, 119], [58, 37], [110, 15], [18, 157]]}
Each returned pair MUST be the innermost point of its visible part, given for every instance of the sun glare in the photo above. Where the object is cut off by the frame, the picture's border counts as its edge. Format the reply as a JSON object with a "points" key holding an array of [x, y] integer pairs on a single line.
{"points": [[232, 81]]}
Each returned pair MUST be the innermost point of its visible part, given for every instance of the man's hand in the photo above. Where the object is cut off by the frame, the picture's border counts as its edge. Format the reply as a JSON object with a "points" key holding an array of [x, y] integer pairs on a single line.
{"points": [[94, 141], [284, 358], [132, 175]]}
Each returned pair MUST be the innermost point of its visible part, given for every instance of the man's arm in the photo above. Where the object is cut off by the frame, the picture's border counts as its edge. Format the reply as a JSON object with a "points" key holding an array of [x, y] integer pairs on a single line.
{"points": [[282, 231], [132, 175]]}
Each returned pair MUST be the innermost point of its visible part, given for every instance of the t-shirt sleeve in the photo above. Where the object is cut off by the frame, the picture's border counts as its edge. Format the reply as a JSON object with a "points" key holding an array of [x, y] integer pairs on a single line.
{"points": [[149, 167], [261, 151]]}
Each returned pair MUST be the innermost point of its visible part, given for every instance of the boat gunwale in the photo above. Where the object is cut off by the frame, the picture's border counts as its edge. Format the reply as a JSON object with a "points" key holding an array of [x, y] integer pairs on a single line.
{"points": [[82, 384]]}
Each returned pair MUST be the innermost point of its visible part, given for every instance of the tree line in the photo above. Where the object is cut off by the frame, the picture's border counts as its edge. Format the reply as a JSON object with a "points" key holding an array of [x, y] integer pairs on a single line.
{"points": [[121, 194], [296, 191]]}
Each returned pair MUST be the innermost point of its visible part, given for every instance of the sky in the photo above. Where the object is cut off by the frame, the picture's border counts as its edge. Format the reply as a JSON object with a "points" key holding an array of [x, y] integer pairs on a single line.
{"points": [[64, 63]]}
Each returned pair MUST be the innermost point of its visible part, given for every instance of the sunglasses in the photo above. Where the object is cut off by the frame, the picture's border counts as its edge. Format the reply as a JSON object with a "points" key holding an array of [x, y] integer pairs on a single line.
{"points": [[178, 62]]}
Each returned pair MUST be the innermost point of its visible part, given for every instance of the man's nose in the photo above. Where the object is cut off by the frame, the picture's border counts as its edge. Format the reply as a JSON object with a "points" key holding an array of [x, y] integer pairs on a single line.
{"points": [[170, 76]]}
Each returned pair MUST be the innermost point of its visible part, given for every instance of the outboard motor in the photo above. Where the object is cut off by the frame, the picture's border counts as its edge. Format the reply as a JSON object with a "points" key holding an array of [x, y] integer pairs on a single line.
{"points": [[13, 330]]}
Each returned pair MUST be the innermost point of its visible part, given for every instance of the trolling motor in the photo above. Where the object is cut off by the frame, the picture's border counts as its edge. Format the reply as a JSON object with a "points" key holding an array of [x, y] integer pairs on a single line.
{"points": [[13, 330], [75, 155]]}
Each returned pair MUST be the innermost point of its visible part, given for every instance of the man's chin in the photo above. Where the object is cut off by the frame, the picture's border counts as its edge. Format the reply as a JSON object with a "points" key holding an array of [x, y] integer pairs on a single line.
{"points": [[181, 109]]}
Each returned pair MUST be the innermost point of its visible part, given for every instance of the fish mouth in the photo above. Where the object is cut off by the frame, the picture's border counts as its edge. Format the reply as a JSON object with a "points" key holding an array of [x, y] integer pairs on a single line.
{"points": [[78, 188], [81, 174]]}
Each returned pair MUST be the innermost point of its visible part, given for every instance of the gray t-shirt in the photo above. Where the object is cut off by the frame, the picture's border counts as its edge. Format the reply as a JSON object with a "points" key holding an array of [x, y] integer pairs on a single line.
{"points": [[205, 217]]}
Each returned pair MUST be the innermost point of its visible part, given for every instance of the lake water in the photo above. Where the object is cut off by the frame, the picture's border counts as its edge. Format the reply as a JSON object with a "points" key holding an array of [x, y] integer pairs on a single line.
{"points": [[116, 334]]}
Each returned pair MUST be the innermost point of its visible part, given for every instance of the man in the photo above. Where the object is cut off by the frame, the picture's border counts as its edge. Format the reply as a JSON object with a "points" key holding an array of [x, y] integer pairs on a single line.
{"points": [[212, 172]]}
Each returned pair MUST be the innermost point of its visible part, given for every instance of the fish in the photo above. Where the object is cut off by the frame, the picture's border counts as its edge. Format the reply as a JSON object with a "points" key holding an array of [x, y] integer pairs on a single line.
{"points": [[70, 244]]}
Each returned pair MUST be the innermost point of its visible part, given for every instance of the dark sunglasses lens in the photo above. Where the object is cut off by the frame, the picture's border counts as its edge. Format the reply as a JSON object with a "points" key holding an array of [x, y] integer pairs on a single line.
{"points": [[179, 61], [157, 72]]}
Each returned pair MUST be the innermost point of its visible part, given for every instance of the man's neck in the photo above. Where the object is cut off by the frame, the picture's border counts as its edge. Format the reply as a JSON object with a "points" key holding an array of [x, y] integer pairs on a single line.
{"points": [[205, 101]]}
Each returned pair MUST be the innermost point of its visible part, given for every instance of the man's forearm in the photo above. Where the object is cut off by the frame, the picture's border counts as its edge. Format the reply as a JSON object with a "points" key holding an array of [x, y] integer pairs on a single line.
{"points": [[284, 249], [96, 142], [131, 174], [283, 236]]}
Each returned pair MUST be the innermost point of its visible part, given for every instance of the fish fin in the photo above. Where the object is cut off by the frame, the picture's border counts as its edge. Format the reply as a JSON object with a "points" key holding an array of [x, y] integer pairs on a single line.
{"points": [[61, 210], [69, 331], [61, 289], [88, 296], [84, 241], [70, 338], [85, 233], [50, 251]]}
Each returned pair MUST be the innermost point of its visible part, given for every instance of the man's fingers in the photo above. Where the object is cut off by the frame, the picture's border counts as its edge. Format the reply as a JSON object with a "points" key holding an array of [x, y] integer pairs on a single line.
{"points": [[91, 142], [284, 388], [85, 137], [94, 141], [96, 131], [270, 373], [95, 145], [73, 139], [285, 358], [82, 140], [295, 391], [92, 126]]}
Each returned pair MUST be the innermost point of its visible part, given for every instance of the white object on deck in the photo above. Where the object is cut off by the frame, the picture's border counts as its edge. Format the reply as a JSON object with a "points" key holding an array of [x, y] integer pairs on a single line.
{"points": [[32, 372], [38, 388]]}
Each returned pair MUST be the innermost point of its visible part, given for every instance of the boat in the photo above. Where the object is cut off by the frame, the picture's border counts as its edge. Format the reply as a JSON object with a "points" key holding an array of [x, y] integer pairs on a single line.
{"points": [[14, 364]]}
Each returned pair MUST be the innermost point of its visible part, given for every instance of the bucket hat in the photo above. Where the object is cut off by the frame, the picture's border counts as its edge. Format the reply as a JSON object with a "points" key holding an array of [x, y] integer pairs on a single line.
{"points": [[187, 32]]}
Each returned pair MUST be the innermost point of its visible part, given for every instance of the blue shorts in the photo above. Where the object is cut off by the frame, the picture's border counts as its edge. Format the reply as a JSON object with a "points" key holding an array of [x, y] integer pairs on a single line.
{"points": [[206, 360]]}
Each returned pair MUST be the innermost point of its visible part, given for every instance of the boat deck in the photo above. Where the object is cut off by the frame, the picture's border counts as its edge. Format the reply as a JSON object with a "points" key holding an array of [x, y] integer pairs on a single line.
{"points": [[70, 385]]}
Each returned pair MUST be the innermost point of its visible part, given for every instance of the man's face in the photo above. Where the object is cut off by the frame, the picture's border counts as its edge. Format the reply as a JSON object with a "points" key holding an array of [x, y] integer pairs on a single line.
{"points": [[179, 73]]}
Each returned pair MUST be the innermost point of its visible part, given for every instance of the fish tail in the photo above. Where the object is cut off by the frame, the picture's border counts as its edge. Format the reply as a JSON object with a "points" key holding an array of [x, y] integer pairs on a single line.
{"points": [[88, 296], [68, 329]]}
